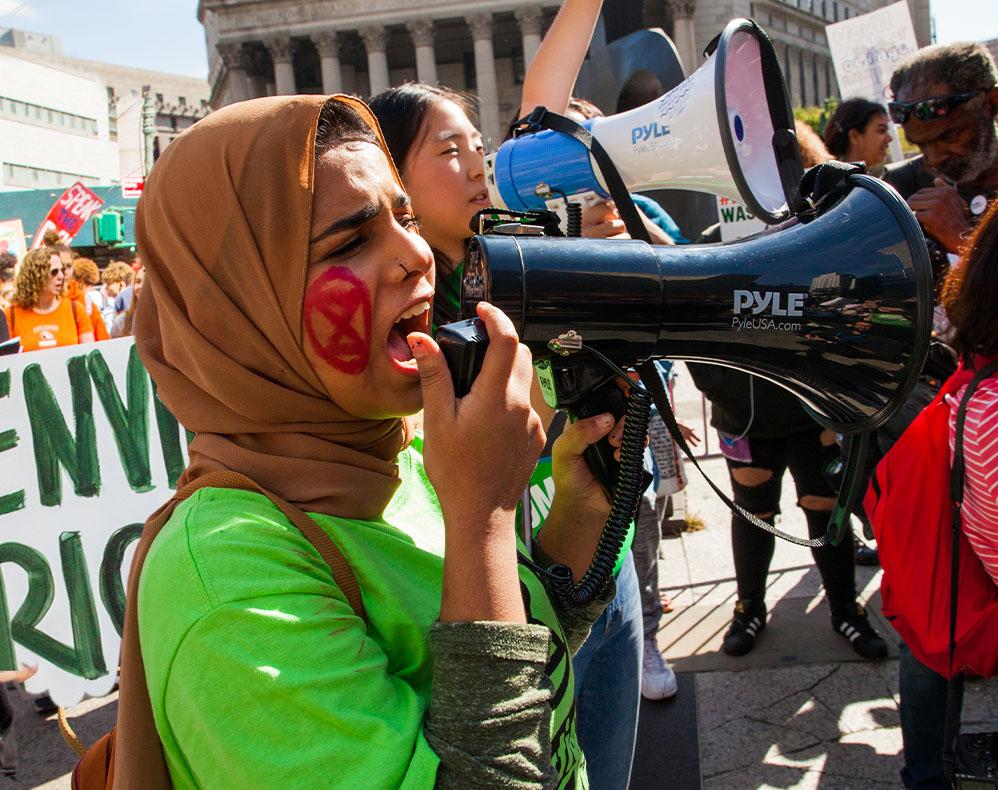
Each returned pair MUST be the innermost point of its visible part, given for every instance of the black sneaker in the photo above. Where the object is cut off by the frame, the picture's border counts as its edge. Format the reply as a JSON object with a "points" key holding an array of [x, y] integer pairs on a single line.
{"points": [[748, 621], [44, 706], [861, 635], [866, 555]]}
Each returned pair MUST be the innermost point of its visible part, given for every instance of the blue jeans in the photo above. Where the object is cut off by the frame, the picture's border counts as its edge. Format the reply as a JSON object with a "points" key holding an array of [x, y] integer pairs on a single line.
{"points": [[608, 686], [923, 717]]}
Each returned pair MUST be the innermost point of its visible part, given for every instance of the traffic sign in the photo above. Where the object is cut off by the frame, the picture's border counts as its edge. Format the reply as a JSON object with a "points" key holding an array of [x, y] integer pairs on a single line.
{"points": [[131, 186]]}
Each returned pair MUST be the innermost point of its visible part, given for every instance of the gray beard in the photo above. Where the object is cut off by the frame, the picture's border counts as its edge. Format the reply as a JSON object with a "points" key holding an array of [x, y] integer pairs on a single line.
{"points": [[984, 157]]}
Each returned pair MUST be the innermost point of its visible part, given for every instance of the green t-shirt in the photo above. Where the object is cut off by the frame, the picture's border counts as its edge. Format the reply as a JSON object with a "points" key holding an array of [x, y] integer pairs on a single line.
{"points": [[261, 675]]}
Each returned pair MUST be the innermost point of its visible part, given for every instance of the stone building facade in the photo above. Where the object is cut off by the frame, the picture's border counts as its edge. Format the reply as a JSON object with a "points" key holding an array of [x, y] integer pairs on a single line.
{"points": [[267, 47], [179, 100], [261, 48]]}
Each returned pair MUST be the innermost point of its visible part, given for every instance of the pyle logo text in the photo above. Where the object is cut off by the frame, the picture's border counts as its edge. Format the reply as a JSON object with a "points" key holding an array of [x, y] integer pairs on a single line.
{"points": [[777, 303]]}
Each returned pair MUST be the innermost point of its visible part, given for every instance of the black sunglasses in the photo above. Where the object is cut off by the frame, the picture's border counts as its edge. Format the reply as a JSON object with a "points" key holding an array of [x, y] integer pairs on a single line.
{"points": [[55, 270], [930, 109]]}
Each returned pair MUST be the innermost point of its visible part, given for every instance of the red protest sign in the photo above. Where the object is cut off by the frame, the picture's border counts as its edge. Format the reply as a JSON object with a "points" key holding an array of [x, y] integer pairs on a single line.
{"points": [[74, 207]]}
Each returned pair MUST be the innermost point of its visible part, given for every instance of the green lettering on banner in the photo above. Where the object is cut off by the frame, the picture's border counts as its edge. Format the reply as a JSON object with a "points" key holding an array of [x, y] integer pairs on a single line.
{"points": [[130, 424], [52, 440], [169, 440], [112, 591], [727, 213], [8, 440], [85, 658]]}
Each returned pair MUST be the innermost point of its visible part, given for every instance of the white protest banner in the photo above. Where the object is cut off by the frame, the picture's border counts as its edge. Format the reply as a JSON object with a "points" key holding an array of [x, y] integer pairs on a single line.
{"points": [[736, 220], [88, 452], [865, 51]]}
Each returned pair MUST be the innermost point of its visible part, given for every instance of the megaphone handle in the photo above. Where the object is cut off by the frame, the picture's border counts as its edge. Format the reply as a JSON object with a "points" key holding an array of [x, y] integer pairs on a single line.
{"points": [[599, 456]]}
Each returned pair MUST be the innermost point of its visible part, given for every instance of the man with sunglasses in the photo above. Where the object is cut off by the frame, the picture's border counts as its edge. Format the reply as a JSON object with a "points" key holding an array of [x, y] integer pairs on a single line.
{"points": [[946, 100]]}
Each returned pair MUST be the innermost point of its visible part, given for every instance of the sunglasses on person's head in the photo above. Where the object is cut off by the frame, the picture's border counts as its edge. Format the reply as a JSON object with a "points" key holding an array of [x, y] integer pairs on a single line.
{"points": [[929, 109]]}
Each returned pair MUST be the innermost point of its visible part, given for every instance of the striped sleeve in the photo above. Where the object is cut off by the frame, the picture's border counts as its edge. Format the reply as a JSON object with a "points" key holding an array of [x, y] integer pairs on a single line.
{"points": [[980, 440]]}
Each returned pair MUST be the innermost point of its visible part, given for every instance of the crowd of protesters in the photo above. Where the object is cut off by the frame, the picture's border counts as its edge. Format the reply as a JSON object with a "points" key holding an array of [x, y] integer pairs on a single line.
{"points": [[53, 297], [559, 690]]}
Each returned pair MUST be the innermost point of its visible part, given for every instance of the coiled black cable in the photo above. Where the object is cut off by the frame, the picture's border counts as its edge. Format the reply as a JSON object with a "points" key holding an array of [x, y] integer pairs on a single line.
{"points": [[623, 507]]}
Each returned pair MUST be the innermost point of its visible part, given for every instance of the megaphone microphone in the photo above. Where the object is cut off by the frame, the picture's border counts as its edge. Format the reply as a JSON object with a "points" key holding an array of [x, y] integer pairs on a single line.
{"points": [[728, 129]]}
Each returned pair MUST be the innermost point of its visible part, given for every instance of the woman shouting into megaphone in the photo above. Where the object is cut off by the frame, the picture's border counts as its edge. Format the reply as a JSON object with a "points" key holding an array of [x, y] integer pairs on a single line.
{"points": [[334, 598]]}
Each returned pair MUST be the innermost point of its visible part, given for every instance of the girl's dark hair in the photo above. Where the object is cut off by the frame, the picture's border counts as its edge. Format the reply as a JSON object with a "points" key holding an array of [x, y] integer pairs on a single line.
{"points": [[401, 113], [850, 114], [970, 288], [402, 110], [339, 123]]}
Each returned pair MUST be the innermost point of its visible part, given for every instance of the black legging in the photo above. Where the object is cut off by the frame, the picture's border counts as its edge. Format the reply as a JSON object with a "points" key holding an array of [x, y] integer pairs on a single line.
{"points": [[6, 711], [803, 454]]}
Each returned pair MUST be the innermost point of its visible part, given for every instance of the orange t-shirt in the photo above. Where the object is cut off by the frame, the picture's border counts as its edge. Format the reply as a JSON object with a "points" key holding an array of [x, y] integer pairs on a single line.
{"points": [[74, 292], [100, 328], [62, 327]]}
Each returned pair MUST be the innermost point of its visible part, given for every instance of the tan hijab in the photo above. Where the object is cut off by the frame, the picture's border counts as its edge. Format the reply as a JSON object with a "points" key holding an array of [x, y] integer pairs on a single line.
{"points": [[223, 230]]}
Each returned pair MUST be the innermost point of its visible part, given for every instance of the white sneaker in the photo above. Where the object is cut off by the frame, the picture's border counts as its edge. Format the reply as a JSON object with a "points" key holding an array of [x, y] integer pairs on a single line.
{"points": [[658, 681]]}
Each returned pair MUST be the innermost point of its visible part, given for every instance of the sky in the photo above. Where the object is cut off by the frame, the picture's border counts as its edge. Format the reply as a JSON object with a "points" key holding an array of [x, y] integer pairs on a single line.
{"points": [[165, 35]]}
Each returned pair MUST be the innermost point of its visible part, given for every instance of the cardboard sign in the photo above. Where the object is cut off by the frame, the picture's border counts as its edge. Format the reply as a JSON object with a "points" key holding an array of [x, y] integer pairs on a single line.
{"points": [[865, 51], [68, 214], [12, 238], [736, 220], [88, 452]]}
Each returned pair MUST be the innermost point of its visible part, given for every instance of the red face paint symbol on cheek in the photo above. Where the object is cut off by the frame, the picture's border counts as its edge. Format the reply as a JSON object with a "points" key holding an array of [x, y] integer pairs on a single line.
{"points": [[338, 320]]}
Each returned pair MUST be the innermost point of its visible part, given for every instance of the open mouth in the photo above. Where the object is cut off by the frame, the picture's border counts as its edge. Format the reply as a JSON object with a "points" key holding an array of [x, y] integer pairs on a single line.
{"points": [[481, 199], [415, 318]]}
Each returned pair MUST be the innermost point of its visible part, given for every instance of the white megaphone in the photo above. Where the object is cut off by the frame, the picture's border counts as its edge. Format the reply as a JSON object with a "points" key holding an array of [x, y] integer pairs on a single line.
{"points": [[728, 129]]}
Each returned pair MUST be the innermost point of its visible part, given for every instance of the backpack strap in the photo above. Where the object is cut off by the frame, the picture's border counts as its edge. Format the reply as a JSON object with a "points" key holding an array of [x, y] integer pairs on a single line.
{"points": [[137, 762], [952, 724], [342, 572]]}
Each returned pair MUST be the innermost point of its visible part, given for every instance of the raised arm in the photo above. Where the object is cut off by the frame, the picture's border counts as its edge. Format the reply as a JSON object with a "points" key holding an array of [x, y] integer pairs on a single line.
{"points": [[551, 75]]}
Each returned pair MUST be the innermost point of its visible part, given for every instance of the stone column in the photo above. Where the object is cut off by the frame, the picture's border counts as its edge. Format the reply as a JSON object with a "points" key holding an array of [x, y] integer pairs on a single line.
{"points": [[349, 79], [805, 86], [377, 59], [328, 46], [485, 77], [426, 59], [284, 72], [234, 60], [684, 34], [790, 74], [531, 19]]}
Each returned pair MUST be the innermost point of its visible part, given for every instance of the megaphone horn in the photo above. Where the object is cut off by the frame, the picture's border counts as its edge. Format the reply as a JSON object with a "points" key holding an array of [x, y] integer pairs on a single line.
{"points": [[727, 129]]}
